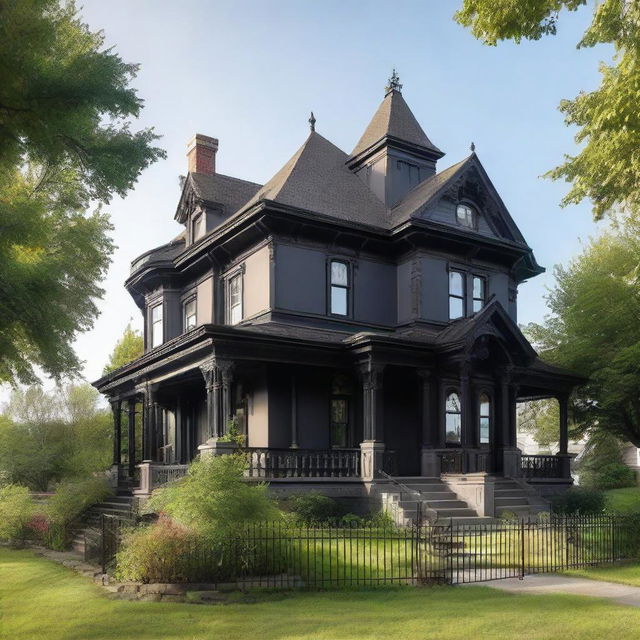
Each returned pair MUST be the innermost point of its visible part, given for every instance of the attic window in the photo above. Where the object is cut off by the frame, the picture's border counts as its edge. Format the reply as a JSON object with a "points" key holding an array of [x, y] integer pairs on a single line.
{"points": [[465, 216]]}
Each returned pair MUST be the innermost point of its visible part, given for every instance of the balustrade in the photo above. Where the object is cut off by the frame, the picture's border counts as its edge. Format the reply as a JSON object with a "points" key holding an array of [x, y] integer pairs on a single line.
{"points": [[303, 463]]}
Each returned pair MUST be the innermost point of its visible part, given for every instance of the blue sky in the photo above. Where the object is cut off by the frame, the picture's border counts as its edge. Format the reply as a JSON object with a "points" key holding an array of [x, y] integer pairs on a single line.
{"points": [[249, 72]]}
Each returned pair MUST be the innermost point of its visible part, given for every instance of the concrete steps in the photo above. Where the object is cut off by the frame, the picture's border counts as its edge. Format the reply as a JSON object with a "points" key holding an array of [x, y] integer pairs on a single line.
{"points": [[437, 500]]}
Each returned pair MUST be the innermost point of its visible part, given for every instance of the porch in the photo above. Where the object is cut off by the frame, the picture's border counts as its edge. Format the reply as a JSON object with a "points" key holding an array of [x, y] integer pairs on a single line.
{"points": [[342, 466]]}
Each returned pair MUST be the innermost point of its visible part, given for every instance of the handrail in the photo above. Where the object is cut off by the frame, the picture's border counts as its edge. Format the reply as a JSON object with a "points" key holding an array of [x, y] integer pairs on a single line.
{"points": [[431, 513]]}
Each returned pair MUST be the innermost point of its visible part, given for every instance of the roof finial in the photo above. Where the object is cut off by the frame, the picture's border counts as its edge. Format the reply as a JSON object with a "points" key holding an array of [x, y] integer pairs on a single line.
{"points": [[393, 83], [312, 122], [473, 147]]}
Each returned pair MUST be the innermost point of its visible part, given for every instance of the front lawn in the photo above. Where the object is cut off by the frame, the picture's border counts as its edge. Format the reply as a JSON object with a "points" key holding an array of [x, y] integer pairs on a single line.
{"points": [[624, 574], [39, 599], [623, 500]]}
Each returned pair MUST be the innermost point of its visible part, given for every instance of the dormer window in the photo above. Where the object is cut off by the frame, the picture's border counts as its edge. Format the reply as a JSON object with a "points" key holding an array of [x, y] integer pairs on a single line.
{"points": [[465, 216]]}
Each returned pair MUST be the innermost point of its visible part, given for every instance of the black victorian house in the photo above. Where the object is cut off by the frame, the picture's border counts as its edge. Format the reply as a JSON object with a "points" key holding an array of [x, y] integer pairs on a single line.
{"points": [[355, 318]]}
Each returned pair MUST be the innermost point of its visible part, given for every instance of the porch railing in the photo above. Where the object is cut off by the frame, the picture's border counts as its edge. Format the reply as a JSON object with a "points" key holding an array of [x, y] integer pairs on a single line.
{"points": [[452, 462], [541, 466], [303, 463], [163, 473]]}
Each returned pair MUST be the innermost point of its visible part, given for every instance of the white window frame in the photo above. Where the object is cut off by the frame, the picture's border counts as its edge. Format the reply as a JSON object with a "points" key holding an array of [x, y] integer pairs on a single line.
{"points": [[233, 315], [481, 300], [463, 296], [156, 324], [339, 286], [488, 416], [185, 325], [470, 215]]}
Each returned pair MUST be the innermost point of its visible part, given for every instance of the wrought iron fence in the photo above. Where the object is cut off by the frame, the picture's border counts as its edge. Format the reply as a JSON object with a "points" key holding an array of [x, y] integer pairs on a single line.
{"points": [[282, 555]]}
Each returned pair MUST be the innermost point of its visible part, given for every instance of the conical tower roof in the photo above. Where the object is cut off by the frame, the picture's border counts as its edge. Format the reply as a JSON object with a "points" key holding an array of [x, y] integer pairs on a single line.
{"points": [[394, 120]]}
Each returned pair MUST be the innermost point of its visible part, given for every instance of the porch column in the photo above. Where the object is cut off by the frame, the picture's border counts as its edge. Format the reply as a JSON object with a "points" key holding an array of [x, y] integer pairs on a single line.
{"points": [[213, 386], [226, 374], [372, 447], [466, 437], [116, 407], [373, 407], [149, 436], [563, 448], [158, 424], [511, 464], [429, 462], [131, 436], [294, 412]]}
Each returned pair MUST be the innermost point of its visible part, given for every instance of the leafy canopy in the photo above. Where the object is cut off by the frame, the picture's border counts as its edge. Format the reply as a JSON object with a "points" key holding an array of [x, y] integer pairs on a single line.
{"points": [[607, 168], [46, 437], [593, 329], [65, 146], [128, 348]]}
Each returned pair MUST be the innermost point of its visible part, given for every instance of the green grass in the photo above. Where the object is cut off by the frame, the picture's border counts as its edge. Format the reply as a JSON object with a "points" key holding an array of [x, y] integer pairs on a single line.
{"points": [[623, 500], [39, 599], [623, 574]]}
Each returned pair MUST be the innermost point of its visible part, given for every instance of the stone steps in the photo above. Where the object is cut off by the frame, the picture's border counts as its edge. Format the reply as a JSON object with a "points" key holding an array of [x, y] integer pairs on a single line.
{"points": [[120, 506]]}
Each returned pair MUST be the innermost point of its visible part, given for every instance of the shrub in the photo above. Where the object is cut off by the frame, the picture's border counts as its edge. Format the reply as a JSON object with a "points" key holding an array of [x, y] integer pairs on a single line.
{"points": [[213, 498], [16, 510], [155, 553], [71, 499], [166, 551], [579, 501], [312, 507], [614, 475]]}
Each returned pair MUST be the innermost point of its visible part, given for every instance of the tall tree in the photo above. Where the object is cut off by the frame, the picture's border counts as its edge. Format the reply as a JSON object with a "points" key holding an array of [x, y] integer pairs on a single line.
{"points": [[607, 168], [128, 348], [48, 436], [594, 329], [65, 146]]}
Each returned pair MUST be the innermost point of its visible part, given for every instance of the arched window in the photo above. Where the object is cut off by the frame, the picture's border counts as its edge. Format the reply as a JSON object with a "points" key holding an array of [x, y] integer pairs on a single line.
{"points": [[465, 216], [485, 418], [453, 418]]}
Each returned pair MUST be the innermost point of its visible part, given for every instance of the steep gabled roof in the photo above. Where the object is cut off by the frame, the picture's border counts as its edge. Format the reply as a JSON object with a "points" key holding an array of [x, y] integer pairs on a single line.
{"points": [[224, 192], [317, 179], [394, 119], [431, 189], [492, 318]]}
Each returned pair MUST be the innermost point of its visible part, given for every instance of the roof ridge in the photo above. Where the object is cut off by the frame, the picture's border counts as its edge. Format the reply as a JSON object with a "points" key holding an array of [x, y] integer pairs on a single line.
{"points": [[228, 177]]}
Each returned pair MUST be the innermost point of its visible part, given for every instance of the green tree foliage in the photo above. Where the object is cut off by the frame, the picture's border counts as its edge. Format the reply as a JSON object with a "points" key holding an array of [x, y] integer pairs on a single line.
{"points": [[65, 145], [45, 437], [128, 348], [213, 499], [541, 419], [601, 466], [593, 329], [606, 170]]}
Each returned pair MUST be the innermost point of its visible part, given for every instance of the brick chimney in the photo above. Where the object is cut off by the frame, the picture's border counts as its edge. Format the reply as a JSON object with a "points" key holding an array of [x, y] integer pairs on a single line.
{"points": [[201, 153]]}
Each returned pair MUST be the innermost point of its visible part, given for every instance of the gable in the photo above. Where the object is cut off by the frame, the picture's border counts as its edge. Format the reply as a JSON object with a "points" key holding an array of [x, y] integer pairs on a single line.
{"points": [[491, 323], [437, 197]]}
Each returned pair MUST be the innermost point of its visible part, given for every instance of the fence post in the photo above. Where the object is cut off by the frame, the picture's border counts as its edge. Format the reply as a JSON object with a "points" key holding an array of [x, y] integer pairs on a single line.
{"points": [[103, 559], [522, 549]]}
